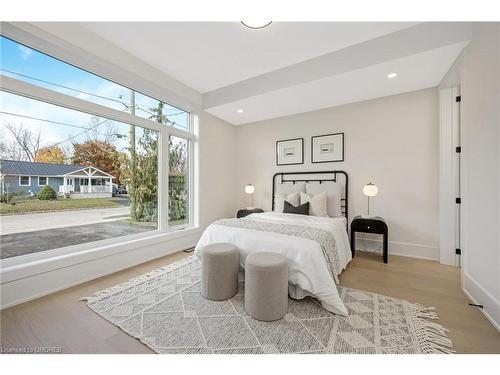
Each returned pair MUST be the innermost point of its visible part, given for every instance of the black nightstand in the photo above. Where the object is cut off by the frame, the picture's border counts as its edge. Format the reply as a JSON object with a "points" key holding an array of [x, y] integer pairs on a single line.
{"points": [[369, 225], [247, 211]]}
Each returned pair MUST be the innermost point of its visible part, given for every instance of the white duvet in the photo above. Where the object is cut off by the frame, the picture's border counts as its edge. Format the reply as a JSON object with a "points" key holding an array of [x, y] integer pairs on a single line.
{"points": [[307, 269]]}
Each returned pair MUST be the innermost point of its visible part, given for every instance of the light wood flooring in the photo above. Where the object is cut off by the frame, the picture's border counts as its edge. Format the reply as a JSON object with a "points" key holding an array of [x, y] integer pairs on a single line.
{"points": [[59, 320]]}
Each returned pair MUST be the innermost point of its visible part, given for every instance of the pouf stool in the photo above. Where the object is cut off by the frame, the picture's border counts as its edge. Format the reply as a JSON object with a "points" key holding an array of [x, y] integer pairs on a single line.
{"points": [[220, 264], [266, 286]]}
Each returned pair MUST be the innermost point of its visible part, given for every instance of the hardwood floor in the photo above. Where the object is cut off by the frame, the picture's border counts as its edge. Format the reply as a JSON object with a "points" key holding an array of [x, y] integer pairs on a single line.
{"points": [[59, 320]]}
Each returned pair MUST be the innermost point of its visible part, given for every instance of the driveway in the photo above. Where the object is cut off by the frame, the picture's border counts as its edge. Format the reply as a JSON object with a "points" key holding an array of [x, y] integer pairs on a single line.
{"points": [[10, 224], [33, 242]]}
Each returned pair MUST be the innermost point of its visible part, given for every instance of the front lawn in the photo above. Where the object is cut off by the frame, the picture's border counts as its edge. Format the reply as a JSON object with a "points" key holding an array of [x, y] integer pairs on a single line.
{"points": [[34, 205]]}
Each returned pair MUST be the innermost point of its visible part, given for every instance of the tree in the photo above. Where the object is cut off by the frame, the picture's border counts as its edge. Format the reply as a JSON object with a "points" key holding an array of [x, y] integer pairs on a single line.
{"points": [[177, 180], [53, 154], [140, 170], [9, 149], [143, 169], [26, 143], [101, 155], [103, 130]]}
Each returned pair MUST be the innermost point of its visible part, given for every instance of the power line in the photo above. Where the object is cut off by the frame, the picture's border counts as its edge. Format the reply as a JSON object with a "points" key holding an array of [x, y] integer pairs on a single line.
{"points": [[127, 107], [142, 106], [45, 120], [92, 94], [77, 135], [64, 87]]}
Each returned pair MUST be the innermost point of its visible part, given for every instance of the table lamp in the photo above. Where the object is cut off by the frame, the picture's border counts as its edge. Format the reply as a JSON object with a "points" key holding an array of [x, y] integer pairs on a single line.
{"points": [[370, 190], [249, 189]]}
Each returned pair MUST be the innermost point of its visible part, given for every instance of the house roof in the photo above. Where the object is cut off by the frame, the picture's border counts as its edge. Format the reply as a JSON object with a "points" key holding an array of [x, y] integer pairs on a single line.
{"points": [[28, 168]]}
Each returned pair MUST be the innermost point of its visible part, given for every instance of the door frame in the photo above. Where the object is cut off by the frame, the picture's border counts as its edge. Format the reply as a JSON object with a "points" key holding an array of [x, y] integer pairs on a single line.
{"points": [[449, 176]]}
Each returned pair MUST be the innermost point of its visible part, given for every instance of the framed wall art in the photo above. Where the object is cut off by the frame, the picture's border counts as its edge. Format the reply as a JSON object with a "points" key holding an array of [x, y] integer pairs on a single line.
{"points": [[290, 151], [327, 148]]}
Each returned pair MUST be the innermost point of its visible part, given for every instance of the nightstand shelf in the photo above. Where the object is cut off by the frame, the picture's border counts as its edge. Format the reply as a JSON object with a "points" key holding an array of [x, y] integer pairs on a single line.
{"points": [[370, 225]]}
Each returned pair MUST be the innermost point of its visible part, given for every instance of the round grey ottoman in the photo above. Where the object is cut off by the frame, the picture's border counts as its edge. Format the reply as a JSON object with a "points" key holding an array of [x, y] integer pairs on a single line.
{"points": [[266, 286], [220, 264]]}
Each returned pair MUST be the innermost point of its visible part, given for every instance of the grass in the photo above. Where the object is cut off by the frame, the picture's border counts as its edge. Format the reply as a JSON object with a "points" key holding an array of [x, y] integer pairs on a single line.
{"points": [[35, 205]]}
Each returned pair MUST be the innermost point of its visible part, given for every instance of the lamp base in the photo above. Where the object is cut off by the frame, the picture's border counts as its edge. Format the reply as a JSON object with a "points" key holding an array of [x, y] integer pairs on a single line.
{"points": [[368, 216]]}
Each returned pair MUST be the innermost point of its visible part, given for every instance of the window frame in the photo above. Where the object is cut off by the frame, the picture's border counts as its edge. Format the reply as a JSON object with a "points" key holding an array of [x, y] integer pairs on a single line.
{"points": [[46, 180], [29, 181], [191, 186], [28, 90]]}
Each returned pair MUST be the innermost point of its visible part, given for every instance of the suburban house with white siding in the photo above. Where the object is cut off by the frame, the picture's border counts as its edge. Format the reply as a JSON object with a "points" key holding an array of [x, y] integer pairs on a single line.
{"points": [[79, 181]]}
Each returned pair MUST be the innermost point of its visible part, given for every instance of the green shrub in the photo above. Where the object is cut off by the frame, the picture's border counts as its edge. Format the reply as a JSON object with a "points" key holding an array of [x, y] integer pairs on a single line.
{"points": [[11, 196], [47, 193]]}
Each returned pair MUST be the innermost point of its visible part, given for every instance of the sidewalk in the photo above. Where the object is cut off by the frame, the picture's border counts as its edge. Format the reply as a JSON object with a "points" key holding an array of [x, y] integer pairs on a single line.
{"points": [[10, 224]]}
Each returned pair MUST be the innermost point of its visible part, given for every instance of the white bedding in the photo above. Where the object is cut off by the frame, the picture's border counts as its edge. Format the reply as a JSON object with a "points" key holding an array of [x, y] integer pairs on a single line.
{"points": [[307, 269]]}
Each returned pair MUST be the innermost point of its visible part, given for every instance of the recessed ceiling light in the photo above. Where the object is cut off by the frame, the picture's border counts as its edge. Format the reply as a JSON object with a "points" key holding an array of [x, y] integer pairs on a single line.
{"points": [[392, 75], [239, 111], [256, 24]]}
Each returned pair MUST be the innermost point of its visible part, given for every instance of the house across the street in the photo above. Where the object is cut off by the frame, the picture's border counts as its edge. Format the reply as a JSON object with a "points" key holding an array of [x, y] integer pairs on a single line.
{"points": [[79, 181]]}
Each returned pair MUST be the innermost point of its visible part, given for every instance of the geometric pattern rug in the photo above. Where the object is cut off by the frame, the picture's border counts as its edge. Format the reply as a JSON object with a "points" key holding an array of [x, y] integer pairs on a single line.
{"points": [[164, 309]]}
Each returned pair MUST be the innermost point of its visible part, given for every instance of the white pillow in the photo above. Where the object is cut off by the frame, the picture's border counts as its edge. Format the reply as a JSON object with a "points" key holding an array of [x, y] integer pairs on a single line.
{"points": [[317, 203], [280, 198], [333, 193]]}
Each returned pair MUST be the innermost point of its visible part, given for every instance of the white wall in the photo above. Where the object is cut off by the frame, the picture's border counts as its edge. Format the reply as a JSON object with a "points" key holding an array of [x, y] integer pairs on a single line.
{"points": [[481, 168], [392, 141], [218, 169]]}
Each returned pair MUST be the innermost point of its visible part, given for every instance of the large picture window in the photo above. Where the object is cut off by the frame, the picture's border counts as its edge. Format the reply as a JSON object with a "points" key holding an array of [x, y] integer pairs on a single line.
{"points": [[28, 65], [99, 166]]}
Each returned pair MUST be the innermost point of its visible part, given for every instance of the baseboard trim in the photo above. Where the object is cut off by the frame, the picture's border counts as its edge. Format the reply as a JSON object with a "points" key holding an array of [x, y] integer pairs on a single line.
{"points": [[399, 248], [478, 295]]}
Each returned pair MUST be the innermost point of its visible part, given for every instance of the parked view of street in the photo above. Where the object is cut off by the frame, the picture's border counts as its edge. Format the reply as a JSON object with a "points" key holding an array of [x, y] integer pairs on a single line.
{"points": [[22, 234]]}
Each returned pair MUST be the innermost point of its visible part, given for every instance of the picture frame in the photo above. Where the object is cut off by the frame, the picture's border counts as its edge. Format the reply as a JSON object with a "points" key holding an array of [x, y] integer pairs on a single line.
{"points": [[290, 151], [327, 148]]}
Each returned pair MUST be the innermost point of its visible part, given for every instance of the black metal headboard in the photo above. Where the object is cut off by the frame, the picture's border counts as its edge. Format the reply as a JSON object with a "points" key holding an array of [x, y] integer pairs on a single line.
{"points": [[316, 176]]}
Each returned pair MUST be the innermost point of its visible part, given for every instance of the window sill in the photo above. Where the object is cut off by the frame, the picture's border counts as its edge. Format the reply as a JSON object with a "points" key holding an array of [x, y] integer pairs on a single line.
{"points": [[13, 269]]}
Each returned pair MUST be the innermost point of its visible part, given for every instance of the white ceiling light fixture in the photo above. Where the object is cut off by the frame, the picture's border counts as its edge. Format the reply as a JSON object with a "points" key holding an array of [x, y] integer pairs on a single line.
{"points": [[256, 24], [392, 75], [239, 111]]}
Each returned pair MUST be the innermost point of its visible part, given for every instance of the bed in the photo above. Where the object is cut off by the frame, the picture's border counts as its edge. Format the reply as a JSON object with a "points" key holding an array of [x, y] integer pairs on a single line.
{"points": [[317, 248]]}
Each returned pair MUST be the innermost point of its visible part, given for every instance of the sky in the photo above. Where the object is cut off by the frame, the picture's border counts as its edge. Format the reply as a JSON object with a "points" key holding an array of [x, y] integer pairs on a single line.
{"points": [[16, 58]]}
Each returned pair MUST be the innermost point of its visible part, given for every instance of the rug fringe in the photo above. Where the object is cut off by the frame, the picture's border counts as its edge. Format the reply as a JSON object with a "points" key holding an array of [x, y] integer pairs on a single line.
{"points": [[136, 280], [431, 336]]}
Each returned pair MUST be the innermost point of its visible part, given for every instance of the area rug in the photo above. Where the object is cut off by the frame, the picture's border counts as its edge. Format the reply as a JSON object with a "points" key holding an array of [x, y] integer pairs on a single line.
{"points": [[164, 309]]}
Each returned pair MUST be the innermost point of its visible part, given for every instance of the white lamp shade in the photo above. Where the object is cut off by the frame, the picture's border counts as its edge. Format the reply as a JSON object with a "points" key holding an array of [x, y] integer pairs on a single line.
{"points": [[370, 190], [249, 189]]}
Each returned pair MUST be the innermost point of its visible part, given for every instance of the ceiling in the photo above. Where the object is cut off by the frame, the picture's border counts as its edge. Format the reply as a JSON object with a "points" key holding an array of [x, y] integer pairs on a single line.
{"points": [[415, 72], [245, 75], [210, 55]]}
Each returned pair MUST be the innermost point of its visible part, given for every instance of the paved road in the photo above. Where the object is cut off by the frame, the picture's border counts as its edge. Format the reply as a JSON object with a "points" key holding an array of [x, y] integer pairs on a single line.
{"points": [[33, 242], [10, 224]]}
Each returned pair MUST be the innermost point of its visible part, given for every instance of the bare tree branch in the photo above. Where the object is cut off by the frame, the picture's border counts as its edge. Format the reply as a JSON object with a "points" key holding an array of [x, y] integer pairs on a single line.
{"points": [[28, 142], [106, 131]]}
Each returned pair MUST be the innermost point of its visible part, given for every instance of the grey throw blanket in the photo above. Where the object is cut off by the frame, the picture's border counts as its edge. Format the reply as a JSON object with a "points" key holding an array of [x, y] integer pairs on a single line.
{"points": [[324, 238]]}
